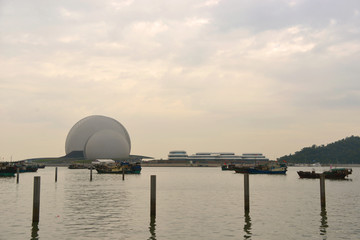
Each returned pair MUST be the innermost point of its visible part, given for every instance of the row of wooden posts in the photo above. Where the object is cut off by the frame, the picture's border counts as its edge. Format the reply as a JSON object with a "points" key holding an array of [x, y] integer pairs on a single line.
{"points": [[56, 171], [36, 201]]}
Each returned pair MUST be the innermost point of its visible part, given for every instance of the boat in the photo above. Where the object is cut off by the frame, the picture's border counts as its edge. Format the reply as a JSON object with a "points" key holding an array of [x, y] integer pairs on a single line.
{"points": [[26, 167], [335, 173], [242, 169], [41, 165], [7, 170], [226, 167], [126, 167], [268, 168], [78, 166]]}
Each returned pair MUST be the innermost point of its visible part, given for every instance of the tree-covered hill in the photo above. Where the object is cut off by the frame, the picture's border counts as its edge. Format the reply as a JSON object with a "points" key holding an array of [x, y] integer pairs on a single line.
{"points": [[345, 151]]}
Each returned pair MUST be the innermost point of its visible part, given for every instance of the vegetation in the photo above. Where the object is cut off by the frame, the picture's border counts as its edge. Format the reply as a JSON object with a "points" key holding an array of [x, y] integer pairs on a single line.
{"points": [[345, 151]]}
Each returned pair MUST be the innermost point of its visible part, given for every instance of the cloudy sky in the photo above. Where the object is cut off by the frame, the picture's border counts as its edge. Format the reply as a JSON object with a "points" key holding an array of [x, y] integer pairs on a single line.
{"points": [[269, 76]]}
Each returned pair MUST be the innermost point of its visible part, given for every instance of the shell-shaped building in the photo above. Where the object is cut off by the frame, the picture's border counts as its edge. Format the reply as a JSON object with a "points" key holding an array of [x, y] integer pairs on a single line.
{"points": [[99, 137]]}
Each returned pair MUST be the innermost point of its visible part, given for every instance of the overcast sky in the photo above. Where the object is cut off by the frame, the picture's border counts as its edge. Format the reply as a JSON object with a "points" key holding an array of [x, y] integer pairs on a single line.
{"points": [[269, 76]]}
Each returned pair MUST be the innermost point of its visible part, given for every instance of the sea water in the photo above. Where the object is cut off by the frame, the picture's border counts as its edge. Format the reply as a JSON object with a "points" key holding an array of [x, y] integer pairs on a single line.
{"points": [[192, 203]]}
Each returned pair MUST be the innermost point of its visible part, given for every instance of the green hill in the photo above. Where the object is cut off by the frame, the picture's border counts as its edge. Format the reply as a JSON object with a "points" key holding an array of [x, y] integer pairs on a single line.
{"points": [[345, 151]]}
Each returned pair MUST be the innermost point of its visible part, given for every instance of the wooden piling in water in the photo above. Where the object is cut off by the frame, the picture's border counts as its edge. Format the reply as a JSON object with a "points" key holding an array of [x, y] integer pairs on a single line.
{"points": [[17, 175], [123, 173], [36, 200], [246, 193], [322, 191], [153, 195], [55, 174], [91, 173]]}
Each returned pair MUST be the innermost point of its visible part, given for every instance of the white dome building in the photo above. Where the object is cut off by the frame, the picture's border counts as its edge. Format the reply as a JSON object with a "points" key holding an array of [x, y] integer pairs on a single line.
{"points": [[99, 137]]}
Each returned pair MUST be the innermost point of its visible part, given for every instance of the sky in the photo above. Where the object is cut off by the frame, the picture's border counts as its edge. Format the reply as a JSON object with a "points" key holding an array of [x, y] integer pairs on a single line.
{"points": [[242, 76]]}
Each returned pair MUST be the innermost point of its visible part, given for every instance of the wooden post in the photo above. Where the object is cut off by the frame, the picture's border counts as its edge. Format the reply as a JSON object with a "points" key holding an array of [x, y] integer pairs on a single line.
{"points": [[123, 173], [322, 190], [91, 173], [153, 196], [55, 174], [17, 175], [36, 201], [246, 193]]}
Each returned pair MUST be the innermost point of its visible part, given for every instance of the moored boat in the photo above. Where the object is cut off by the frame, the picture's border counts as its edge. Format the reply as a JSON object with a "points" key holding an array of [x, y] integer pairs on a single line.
{"points": [[27, 168], [335, 173], [7, 170], [226, 167], [127, 168], [268, 168], [78, 166]]}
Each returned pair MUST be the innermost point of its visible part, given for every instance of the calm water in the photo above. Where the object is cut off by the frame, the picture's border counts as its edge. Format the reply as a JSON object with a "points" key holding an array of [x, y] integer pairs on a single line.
{"points": [[192, 203]]}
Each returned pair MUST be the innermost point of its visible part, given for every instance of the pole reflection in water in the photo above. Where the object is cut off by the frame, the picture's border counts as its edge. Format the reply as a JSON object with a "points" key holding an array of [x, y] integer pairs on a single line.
{"points": [[247, 226], [152, 228], [34, 231], [324, 223]]}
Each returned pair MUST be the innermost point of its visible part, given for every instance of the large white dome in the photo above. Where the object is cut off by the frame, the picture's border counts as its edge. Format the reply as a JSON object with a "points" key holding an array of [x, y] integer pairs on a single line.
{"points": [[99, 137]]}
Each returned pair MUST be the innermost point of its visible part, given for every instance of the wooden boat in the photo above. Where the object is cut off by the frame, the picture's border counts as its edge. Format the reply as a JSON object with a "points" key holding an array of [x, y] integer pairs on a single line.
{"points": [[78, 166], [27, 167], [7, 170], [41, 165], [127, 168], [268, 168], [226, 167], [242, 169], [336, 173]]}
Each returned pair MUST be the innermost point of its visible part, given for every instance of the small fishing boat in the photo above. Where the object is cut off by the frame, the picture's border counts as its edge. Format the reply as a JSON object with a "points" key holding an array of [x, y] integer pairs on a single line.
{"points": [[335, 173], [7, 169], [268, 168], [126, 167], [27, 167], [242, 169], [226, 167], [41, 165], [78, 166]]}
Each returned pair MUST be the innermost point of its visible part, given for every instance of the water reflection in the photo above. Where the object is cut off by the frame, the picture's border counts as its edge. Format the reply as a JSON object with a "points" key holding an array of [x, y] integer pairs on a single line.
{"points": [[152, 228], [247, 226], [324, 223], [34, 231]]}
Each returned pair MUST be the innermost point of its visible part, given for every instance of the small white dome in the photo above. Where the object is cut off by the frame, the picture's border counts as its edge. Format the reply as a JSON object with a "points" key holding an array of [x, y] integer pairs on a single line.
{"points": [[107, 144]]}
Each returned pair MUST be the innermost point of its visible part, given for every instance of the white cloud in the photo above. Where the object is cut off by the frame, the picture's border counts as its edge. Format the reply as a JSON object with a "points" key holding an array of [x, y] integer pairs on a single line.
{"points": [[70, 15], [195, 22], [150, 29]]}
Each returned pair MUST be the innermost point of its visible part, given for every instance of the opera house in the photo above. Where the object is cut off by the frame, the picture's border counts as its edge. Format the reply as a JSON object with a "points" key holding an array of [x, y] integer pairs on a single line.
{"points": [[99, 137]]}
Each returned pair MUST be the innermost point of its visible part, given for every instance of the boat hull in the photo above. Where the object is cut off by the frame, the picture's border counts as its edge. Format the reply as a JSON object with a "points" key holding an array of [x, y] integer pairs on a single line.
{"points": [[119, 168], [256, 171], [7, 174], [332, 174], [7, 171], [229, 167], [119, 172], [270, 168]]}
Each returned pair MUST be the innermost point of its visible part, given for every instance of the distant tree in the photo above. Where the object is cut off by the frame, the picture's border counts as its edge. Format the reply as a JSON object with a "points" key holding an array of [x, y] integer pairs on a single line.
{"points": [[346, 150]]}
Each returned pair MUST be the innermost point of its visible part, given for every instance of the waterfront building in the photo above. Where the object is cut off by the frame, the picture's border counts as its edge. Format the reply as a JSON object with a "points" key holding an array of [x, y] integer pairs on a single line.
{"points": [[216, 157], [254, 157], [178, 155]]}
